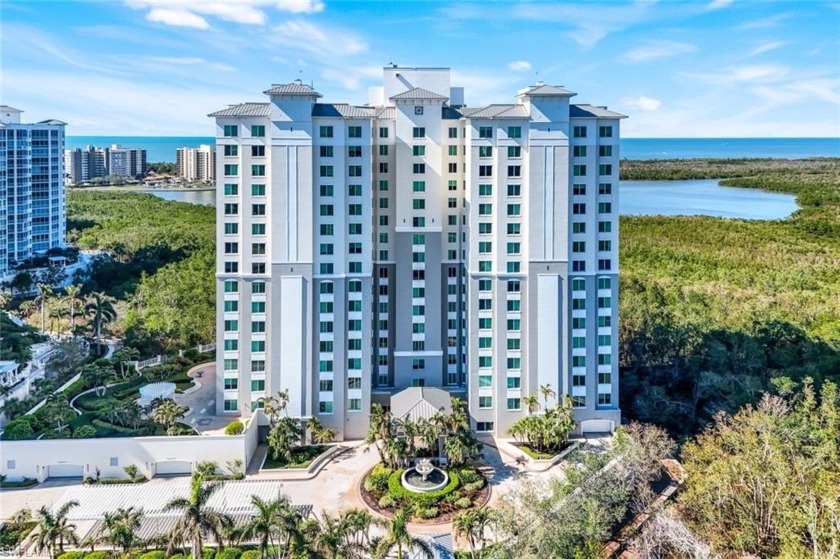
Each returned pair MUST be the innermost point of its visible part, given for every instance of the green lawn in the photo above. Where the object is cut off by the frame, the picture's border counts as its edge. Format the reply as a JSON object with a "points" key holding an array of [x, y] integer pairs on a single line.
{"points": [[533, 453]]}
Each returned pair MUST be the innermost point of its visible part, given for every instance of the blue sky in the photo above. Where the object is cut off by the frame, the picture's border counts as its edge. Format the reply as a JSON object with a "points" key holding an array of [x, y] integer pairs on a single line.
{"points": [[715, 68]]}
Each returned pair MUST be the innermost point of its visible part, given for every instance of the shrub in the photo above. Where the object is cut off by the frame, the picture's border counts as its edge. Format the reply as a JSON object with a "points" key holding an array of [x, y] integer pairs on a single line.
{"points": [[463, 503], [423, 500], [208, 553], [377, 480], [234, 428], [387, 502], [229, 553], [98, 555], [72, 555], [18, 429], [429, 512], [474, 487], [250, 554], [84, 432], [468, 475], [156, 554], [179, 556]]}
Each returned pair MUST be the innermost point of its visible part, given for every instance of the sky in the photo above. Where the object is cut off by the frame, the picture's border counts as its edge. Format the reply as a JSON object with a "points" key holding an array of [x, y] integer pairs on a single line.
{"points": [[712, 68]]}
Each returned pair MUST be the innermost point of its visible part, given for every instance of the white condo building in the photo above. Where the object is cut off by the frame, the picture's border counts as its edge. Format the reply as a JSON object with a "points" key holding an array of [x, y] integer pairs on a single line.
{"points": [[196, 164], [33, 213], [417, 241]]}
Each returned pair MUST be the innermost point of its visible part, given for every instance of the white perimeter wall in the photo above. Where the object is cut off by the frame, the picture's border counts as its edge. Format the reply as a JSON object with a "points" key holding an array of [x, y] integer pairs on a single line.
{"points": [[32, 458]]}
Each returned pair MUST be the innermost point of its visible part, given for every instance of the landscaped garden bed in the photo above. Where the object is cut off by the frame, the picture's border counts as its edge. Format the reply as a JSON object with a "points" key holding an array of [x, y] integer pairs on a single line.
{"points": [[302, 458], [383, 492], [20, 484]]}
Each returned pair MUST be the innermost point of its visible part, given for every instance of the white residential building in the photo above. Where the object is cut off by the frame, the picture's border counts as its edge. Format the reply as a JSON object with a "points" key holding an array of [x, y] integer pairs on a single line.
{"points": [[197, 164], [33, 214], [82, 165], [417, 241]]}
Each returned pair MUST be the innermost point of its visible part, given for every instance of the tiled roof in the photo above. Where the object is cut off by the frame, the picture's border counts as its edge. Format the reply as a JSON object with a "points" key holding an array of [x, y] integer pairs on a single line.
{"points": [[496, 111], [343, 110], [294, 88], [592, 111], [54, 122], [419, 93], [420, 403], [549, 90], [386, 113], [244, 109]]}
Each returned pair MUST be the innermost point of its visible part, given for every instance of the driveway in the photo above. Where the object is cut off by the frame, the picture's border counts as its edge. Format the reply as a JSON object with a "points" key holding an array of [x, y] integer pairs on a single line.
{"points": [[201, 399]]}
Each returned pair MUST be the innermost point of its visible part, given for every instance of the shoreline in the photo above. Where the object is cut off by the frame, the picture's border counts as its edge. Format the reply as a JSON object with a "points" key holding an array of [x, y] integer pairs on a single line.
{"points": [[118, 188]]}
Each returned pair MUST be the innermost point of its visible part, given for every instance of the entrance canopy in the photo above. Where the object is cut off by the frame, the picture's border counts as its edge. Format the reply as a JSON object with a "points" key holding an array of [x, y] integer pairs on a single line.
{"points": [[419, 402]]}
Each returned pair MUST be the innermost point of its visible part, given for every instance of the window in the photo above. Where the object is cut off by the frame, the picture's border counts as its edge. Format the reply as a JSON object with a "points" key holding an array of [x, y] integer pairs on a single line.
{"points": [[326, 151], [604, 246], [231, 405], [604, 302], [231, 130], [231, 150], [605, 189], [325, 132], [354, 131], [453, 167], [231, 189], [579, 131], [578, 323], [418, 204], [257, 151], [258, 385], [355, 170], [514, 190], [452, 151], [419, 168], [579, 189], [383, 132], [578, 304], [604, 283], [485, 170], [325, 407], [514, 131], [231, 286], [605, 227], [258, 326], [355, 228], [257, 130], [354, 404], [326, 209], [258, 306], [257, 190], [231, 248], [354, 209], [231, 170], [325, 171], [452, 203], [604, 207], [604, 399], [514, 228], [485, 131], [231, 306], [579, 151], [231, 325], [514, 152], [485, 402], [231, 267], [418, 132], [605, 151], [418, 150], [514, 170], [578, 361], [513, 404], [578, 227], [453, 132], [231, 384], [578, 209], [604, 359], [605, 169], [579, 246], [326, 190], [484, 151], [514, 209], [231, 345], [485, 209], [579, 170], [257, 209], [383, 150], [605, 131], [354, 151], [257, 170]]}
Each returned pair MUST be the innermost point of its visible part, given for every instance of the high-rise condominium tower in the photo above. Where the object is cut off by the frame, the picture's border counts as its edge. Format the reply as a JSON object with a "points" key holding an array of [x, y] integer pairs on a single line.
{"points": [[33, 213], [417, 241]]}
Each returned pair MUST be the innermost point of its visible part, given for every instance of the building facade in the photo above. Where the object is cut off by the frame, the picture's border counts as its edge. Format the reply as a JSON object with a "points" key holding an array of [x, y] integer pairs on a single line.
{"points": [[82, 165], [197, 164], [417, 241], [33, 213]]}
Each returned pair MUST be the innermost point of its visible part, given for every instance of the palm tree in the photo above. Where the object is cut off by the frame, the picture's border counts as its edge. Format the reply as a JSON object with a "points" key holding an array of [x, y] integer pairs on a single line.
{"points": [[167, 414], [273, 519], [45, 292], [531, 402], [197, 520], [282, 438], [57, 312], [54, 529], [398, 538], [471, 524], [121, 528], [547, 393], [57, 409], [101, 310], [380, 430], [27, 308], [73, 296], [318, 433], [334, 538]]}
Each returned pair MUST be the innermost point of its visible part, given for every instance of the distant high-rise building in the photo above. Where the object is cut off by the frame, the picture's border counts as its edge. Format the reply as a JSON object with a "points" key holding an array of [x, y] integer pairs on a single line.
{"points": [[92, 162], [417, 241], [33, 214], [197, 164], [125, 162]]}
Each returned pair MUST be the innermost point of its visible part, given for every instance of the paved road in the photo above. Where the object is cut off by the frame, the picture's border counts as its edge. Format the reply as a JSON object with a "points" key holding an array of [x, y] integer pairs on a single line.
{"points": [[202, 402]]}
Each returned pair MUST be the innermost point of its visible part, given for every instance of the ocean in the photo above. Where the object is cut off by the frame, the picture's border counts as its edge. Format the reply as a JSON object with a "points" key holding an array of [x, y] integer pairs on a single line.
{"points": [[162, 148]]}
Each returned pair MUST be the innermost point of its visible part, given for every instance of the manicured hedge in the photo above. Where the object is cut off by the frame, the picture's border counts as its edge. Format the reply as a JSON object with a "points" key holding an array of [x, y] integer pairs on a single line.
{"points": [[98, 555], [72, 555], [250, 554], [234, 428], [229, 553], [156, 554], [425, 500]]}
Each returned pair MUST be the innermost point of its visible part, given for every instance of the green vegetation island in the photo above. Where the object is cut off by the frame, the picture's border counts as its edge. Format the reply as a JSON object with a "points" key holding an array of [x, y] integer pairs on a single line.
{"points": [[729, 362]]}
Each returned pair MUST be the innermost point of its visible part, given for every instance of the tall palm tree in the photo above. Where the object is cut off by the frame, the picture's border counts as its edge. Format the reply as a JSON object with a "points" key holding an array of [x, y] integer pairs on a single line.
{"points": [[472, 524], [57, 410], [198, 521], [318, 433], [532, 403], [120, 528], [331, 538], [54, 529], [547, 393], [45, 293], [101, 310], [398, 538], [73, 296], [5, 298], [167, 414]]}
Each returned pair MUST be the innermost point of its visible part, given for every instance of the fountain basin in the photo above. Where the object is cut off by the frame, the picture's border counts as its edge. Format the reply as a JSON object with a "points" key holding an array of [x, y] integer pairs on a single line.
{"points": [[416, 482]]}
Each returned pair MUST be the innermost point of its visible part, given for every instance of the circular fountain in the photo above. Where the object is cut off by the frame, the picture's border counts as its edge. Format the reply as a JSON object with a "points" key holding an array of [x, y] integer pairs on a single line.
{"points": [[150, 392], [424, 477]]}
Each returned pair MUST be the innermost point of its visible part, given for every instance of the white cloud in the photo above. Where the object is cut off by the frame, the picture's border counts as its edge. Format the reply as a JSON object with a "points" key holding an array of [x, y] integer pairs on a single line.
{"points": [[760, 73], [321, 41], [718, 4], [765, 23], [520, 65], [765, 47], [642, 103], [658, 49], [194, 14]]}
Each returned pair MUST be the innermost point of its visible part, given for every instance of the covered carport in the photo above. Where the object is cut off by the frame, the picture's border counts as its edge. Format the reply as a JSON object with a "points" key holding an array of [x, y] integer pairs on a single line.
{"points": [[65, 471], [173, 467]]}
